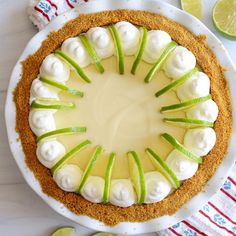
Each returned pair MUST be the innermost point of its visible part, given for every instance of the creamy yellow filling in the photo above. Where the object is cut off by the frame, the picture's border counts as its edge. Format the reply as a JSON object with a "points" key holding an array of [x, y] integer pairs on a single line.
{"points": [[121, 113]]}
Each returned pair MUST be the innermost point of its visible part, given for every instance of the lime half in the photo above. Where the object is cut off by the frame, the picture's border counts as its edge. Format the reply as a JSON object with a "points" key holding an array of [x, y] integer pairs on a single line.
{"points": [[65, 231], [224, 17], [194, 7], [103, 234]]}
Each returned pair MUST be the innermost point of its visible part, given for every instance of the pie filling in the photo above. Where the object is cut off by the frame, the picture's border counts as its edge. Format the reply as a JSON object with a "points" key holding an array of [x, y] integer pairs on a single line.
{"points": [[122, 115]]}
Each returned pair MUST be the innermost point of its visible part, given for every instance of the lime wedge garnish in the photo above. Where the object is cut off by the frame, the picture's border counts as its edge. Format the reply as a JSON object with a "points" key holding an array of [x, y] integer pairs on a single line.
{"points": [[120, 54], [224, 17], [140, 51], [188, 123], [89, 167], [137, 175], [178, 146], [163, 168], [160, 61], [75, 65], [65, 231], [103, 234], [62, 87], [92, 53], [176, 83], [108, 175], [184, 105], [51, 104], [57, 132], [193, 7], [69, 155]]}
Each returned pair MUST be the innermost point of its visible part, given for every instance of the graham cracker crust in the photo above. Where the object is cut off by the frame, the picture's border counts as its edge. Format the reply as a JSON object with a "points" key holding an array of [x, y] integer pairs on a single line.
{"points": [[110, 214]]}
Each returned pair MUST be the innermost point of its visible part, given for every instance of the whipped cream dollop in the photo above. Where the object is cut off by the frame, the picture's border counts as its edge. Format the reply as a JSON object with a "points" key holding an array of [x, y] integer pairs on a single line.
{"points": [[198, 85], [50, 152], [122, 193], [55, 69], [129, 37], [179, 62], [182, 166], [157, 187], [93, 189], [102, 41], [200, 141], [40, 90], [157, 40], [75, 49], [42, 121], [207, 110], [68, 177]]}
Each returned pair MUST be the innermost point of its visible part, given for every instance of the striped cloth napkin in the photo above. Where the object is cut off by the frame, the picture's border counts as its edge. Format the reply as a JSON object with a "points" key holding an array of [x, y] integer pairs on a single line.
{"points": [[218, 216]]}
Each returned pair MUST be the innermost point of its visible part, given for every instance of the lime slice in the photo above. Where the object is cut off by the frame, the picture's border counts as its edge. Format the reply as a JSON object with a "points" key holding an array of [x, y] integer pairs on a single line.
{"points": [[178, 146], [65, 231], [69, 155], [141, 50], [51, 104], [108, 177], [161, 60], [224, 17], [192, 7], [176, 83], [57, 132], [188, 123], [89, 167], [119, 49], [92, 53], [163, 168], [137, 176], [62, 87], [184, 105], [103, 234], [75, 65]]}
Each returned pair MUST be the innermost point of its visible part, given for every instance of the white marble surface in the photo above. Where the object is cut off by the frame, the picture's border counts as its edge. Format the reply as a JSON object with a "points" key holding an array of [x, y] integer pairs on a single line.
{"points": [[22, 213]]}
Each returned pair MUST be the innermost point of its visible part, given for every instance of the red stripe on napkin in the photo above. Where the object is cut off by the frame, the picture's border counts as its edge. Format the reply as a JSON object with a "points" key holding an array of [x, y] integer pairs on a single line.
{"points": [[193, 228], [222, 227], [226, 193], [69, 4], [174, 232], [42, 12], [219, 211]]}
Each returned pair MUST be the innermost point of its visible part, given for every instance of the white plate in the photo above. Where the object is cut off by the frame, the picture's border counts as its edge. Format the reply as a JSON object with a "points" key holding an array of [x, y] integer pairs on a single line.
{"points": [[177, 15]]}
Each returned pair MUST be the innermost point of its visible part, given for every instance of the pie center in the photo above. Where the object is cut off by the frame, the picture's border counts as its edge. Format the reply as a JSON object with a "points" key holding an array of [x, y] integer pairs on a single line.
{"points": [[121, 113]]}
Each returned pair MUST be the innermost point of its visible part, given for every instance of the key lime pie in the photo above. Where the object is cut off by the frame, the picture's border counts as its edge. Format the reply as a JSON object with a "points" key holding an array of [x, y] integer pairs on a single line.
{"points": [[123, 115]]}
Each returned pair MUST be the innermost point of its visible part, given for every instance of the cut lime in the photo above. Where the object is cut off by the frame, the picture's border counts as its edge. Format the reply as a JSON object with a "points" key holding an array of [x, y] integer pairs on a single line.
{"points": [[178, 146], [51, 104], [188, 123], [103, 234], [119, 49], [192, 7], [92, 53], [69, 155], [57, 132], [224, 17], [65, 231], [176, 83], [163, 168], [137, 176], [141, 50], [160, 61], [108, 177], [75, 65], [62, 87], [89, 167], [184, 105]]}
